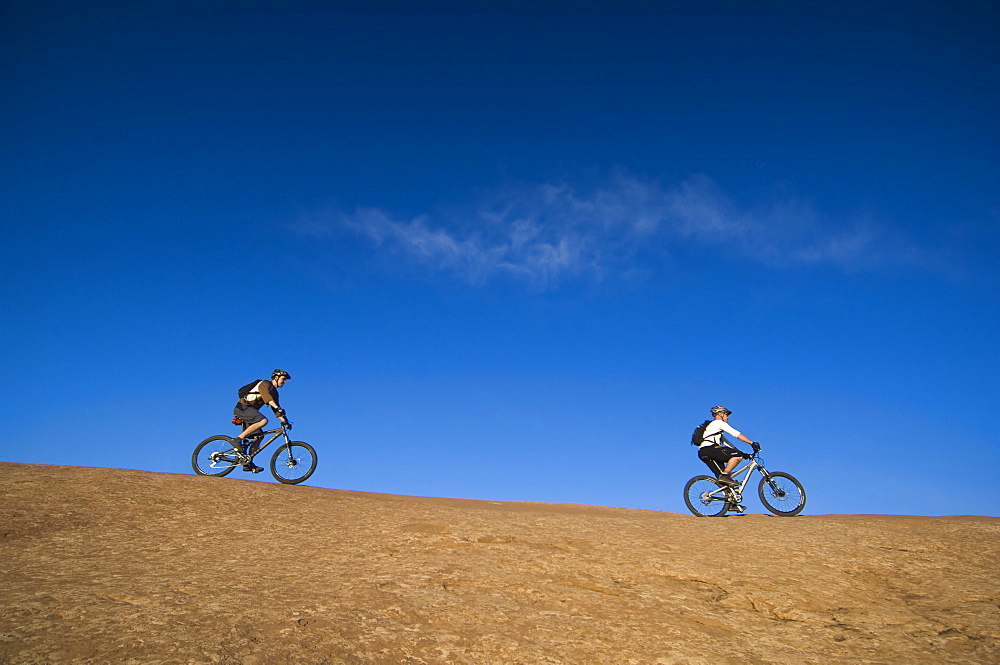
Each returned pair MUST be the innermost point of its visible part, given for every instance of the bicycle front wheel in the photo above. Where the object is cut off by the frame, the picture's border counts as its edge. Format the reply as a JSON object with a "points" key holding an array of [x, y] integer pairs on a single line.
{"points": [[705, 497], [215, 456], [293, 462], [782, 494]]}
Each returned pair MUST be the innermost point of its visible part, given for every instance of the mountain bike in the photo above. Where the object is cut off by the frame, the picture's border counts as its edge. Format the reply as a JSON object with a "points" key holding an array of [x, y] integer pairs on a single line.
{"points": [[781, 493], [292, 462]]}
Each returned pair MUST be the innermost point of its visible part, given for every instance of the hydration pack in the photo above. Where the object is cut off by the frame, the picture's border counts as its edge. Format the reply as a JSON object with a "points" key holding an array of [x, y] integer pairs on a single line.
{"points": [[698, 436], [248, 388]]}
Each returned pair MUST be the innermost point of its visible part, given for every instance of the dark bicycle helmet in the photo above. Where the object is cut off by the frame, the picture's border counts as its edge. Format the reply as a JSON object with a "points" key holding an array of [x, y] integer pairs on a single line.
{"points": [[280, 372], [721, 409]]}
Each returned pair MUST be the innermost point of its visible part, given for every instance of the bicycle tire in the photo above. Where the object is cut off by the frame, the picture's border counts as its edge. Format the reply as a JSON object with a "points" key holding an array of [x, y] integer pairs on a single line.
{"points": [[293, 463], [701, 494], [219, 445], [782, 494]]}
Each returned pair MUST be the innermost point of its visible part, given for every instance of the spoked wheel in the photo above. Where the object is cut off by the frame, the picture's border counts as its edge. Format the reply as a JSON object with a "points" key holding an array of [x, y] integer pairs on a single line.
{"points": [[293, 462], [782, 494], [705, 497], [215, 456]]}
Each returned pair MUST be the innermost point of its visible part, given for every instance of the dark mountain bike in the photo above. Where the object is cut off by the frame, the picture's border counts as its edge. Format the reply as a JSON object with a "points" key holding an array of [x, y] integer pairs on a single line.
{"points": [[292, 463], [780, 493]]}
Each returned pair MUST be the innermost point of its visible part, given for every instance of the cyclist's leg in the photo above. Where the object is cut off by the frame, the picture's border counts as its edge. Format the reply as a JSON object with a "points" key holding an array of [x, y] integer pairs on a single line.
{"points": [[253, 430], [253, 420], [254, 441], [722, 457], [732, 463], [721, 460], [713, 466]]}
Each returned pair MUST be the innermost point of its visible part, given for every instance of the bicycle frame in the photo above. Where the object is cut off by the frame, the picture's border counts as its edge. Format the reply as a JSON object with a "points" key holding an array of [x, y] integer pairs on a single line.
{"points": [[736, 492], [241, 458], [277, 431], [291, 462], [748, 469]]}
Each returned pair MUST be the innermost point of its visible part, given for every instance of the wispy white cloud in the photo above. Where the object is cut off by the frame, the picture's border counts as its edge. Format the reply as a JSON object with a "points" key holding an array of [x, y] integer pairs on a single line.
{"points": [[547, 234]]}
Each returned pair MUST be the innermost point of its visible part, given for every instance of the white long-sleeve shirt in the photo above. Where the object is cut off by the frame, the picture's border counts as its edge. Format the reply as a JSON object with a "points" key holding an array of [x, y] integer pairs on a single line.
{"points": [[713, 433]]}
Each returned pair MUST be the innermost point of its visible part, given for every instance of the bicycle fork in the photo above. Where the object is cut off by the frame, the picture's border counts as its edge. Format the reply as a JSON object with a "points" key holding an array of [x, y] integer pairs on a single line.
{"points": [[289, 460]]}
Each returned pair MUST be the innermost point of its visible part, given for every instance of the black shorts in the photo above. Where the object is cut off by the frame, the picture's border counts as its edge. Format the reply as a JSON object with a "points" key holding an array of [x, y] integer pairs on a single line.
{"points": [[717, 455], [247, 414]]}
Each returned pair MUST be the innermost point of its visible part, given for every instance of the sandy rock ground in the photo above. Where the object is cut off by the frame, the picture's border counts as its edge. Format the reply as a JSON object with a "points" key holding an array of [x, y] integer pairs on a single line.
{"points": [[115, 566]]}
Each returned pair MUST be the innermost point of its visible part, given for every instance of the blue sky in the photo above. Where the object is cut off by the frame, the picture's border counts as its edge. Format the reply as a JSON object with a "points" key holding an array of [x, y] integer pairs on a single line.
{"points": [[513, 252]]}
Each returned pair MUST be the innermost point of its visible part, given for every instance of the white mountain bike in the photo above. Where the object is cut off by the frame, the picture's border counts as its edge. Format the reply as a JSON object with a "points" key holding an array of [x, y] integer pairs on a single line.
{"points": [[781, 493]]}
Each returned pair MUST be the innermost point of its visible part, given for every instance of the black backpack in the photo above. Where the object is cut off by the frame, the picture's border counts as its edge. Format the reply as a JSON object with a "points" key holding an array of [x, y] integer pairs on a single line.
{"points": [[698, 436], [245, 390]]}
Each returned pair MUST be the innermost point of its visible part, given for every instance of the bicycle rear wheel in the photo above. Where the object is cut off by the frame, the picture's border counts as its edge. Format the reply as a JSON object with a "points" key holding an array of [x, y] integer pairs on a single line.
{"points": [[705, 497], [215, 456], [293, 462], [782, 494]]}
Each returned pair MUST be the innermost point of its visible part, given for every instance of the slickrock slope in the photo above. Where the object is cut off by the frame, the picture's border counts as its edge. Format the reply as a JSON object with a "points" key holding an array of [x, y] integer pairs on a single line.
{"points": [[112, 566]]}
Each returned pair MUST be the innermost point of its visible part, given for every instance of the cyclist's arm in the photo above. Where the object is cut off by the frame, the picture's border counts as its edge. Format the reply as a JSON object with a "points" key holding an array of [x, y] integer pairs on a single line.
{"points": [[278, 411], [270, 398], [729, 429]]}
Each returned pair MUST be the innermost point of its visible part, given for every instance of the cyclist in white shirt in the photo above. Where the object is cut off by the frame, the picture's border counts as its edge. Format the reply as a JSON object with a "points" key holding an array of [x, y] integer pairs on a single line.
{"points": [[716, 449]]}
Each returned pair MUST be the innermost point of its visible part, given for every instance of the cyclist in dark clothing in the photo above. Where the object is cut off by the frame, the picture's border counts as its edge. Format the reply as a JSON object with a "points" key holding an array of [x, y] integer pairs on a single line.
{"points": [[248, 410]]}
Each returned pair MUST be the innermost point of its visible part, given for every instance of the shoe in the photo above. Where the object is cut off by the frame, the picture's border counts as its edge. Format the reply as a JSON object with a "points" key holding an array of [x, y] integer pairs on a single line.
{"points": [[239, 445], [252, 468], [726, 479]]}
